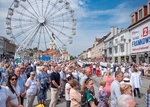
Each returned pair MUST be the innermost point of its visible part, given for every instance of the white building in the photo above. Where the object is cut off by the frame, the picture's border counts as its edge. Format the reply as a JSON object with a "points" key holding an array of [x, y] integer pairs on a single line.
{"points": [[121, 46], [108, 47]]}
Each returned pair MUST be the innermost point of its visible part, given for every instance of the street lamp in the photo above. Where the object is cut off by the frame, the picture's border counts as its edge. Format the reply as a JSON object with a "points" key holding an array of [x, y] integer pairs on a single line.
{"points": [[127, 46]]}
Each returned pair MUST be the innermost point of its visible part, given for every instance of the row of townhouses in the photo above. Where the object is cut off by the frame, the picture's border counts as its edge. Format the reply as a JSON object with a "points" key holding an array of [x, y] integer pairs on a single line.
{"points": [[7, 48], [124, 45]]}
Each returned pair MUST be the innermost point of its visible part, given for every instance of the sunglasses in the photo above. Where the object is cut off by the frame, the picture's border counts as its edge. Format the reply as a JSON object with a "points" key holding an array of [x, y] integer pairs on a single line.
{"points": [[13, 79]]}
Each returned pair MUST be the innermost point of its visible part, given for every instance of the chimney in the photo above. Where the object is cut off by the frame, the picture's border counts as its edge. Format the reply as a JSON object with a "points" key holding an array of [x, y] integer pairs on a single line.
{"points": [[115, 30], [112, 30]]}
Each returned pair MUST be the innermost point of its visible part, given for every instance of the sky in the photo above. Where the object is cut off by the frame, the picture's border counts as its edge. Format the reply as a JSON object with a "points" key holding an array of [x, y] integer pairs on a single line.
{"points": [[94, 19]]}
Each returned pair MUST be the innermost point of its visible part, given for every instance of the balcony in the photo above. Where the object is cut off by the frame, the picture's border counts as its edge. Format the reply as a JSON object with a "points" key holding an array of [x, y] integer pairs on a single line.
{"points": [[120, 42], [115, 44]]}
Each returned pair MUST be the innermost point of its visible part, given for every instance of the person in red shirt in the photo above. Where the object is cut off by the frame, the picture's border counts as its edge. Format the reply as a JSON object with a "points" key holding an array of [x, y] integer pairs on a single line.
{"points": [[91, 69], [97, 71]]}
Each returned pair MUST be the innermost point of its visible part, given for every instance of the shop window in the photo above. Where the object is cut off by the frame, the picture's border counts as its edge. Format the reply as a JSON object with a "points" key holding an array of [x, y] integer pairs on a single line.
{"points": [[140, 14], [122, 59], [141, 59], [116, 59]]}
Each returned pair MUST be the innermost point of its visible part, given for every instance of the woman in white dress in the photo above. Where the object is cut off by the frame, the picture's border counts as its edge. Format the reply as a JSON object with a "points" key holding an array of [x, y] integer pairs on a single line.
{"points": [[13, 90]]}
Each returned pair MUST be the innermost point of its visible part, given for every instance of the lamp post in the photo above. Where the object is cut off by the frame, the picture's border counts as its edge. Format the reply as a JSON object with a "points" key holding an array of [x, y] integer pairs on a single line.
{"points": [[127, 49]]}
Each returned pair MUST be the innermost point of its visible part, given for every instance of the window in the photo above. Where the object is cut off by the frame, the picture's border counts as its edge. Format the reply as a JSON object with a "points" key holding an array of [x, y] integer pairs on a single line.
{"points": [[132, 19], [110, 43], [122, 38], [122, 48], [116, 49], [116, 41], [140, 14], [110, 51]]}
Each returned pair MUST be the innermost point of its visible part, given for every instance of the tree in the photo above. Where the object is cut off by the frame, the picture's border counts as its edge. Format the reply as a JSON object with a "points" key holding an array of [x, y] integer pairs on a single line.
{"points": [[71, 58], [31, 54], [35, 48]]}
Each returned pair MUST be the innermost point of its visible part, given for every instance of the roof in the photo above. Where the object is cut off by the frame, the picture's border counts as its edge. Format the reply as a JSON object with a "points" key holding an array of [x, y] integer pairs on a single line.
{"points": [[139, 21], [52, 52], [97, 39], [65, 52], [109, 36]]}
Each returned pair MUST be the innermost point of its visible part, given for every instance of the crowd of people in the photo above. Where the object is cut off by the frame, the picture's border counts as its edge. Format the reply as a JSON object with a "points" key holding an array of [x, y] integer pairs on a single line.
{"points": [[118, 86]]}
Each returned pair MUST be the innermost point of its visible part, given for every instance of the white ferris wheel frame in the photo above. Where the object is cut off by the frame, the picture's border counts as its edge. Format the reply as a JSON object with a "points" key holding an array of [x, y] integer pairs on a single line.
{"points": [[41, 25]]}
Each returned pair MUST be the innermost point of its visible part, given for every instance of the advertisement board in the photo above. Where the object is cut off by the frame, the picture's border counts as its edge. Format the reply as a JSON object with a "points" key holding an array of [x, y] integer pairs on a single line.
{"points": [[140, 38]]}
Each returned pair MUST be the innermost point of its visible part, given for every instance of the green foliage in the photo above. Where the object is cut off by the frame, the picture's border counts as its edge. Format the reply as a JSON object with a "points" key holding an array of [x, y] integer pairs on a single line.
{"points": [[31, 54], [71, 58], [35, 48]]}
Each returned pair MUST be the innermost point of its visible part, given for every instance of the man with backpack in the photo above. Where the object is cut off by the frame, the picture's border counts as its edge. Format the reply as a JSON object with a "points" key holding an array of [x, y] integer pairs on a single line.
{"points": [[29, 69]]}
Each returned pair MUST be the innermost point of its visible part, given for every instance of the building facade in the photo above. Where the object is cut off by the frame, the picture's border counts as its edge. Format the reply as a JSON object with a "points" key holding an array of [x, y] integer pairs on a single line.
{"points": [[95, 51], [121, 46], [1, 49], [7, 48], [140, 34]]}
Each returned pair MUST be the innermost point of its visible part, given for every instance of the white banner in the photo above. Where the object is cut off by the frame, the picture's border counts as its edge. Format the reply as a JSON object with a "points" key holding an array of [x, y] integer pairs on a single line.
{"points": [[140, 38]]}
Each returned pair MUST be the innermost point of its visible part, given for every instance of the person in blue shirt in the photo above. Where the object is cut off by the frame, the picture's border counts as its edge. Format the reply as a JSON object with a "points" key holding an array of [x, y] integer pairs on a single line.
{"points": [[21, 84], [42, 79], [2, 70]]}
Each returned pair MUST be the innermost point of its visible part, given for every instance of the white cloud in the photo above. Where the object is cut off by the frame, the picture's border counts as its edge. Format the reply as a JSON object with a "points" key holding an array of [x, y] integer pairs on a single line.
{"points": [[85, 18]]}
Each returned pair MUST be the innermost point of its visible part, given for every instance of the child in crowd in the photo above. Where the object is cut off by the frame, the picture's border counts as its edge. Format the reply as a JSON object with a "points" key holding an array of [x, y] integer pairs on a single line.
{"points": [[102, 95]]}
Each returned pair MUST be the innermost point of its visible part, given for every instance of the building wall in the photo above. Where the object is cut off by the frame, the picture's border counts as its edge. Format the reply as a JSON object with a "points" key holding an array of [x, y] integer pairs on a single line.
{"points": [[1, 46], [140, 37], [118, 42], [140, 41], [8, 47]]}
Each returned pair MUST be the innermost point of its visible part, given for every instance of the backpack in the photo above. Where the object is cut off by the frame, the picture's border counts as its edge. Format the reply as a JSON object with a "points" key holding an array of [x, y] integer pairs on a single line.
{"points": [[28, 70]]}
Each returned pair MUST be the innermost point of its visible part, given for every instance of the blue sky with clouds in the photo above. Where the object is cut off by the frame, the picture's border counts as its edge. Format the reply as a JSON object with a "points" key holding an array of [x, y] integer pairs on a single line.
{"points": [[94, 19]]}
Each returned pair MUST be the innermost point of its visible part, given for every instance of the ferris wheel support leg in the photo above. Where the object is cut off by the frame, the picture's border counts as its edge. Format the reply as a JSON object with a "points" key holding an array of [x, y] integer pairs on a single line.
{"points": [[54, 41], [27, 40]]}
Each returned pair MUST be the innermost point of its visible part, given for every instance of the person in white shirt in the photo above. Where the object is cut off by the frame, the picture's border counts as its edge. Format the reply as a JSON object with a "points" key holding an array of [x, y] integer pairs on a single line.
{"points": [[137, 82], [81, 75], [123, 69], [115, 88], [13, 90], [31, 88], [67, 90]]}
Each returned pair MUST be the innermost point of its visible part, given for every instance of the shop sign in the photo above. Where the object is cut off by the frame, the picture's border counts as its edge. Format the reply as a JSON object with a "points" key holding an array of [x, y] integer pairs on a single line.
{"points": [[140, 38]]}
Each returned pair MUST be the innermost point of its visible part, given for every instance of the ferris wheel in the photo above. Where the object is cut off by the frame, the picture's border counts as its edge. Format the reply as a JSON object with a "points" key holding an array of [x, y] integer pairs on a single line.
{"points": [[33, 23]]}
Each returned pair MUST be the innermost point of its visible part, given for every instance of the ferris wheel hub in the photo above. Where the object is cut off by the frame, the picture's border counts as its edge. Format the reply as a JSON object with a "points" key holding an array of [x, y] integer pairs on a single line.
{"points": [[41, 20]]}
